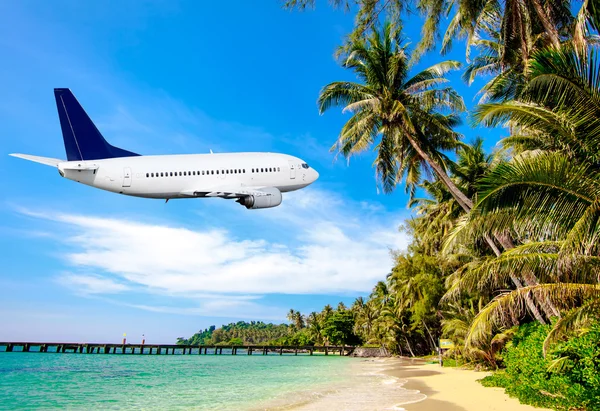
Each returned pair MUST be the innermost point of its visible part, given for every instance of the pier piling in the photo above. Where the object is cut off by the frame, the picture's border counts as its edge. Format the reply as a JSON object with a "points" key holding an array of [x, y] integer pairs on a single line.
{"points": [[103, 348]]}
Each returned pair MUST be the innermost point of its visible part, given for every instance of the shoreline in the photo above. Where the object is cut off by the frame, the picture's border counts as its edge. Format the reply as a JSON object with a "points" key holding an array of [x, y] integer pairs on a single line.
{"points": [[402, 384], [362, 385], [450, 389], [406, 384]]}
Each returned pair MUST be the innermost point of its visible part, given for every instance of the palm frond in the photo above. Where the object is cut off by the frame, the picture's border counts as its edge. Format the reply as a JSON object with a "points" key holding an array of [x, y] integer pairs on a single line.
{"points": [[507, 309], [574, 320]]}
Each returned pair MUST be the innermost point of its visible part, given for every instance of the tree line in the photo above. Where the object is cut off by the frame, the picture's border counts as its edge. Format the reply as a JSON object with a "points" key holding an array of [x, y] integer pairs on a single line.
{"points": [[328, 327]]}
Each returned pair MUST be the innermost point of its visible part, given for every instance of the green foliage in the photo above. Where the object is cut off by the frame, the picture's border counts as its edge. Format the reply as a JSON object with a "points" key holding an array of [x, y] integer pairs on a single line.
{"points": [[330, 326], [568, 378], [368, 12], [452, 362], [409, 119], [547, 197], [302, 337], [339, 329], [241, 333]]}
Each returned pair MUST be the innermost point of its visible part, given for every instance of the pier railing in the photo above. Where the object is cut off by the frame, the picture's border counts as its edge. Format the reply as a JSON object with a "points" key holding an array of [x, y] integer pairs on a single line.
{"points": [[172, 349]]}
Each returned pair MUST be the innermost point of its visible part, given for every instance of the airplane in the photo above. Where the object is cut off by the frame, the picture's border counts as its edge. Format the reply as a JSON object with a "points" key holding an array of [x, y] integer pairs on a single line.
{"points": [[254, 180]]}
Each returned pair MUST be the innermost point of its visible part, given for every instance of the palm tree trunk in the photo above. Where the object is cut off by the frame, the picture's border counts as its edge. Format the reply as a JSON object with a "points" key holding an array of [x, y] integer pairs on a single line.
{"points": [[467, 205], [517, 283], [530, 279], [529, 301], [549, 27], [434, 345], [492, 245], [458, 195], [412, 354]]}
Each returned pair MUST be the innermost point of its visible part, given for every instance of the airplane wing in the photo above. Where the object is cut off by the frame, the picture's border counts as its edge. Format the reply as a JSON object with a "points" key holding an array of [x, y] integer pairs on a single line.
{"points": [[249, 197], [42, 160], [229, 192]]}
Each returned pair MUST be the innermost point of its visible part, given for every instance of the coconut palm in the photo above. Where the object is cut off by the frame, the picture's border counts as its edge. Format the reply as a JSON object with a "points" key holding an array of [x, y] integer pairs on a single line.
{"points": [[548, 196], [299, 322], [436, 215], [292, 316], [438, 212], [472, 164], [366, 317], [327, 312], [409, 119], [315, 327], [559, 110], [504, 66], [522, 24]]}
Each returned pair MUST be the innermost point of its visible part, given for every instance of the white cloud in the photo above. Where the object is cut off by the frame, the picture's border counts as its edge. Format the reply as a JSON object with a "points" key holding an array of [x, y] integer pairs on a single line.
{"points": [[91, 284], [331, 246], [229, 307]]}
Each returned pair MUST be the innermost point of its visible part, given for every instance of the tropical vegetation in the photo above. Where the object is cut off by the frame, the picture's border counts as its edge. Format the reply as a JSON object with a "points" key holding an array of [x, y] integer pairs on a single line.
{"points": [[505, 251], [254, 332], [567, 379], [328, 327]]}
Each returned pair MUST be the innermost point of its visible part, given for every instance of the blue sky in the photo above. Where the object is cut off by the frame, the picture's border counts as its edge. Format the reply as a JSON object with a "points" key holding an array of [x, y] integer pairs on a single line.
{"points": [[162, 77]]}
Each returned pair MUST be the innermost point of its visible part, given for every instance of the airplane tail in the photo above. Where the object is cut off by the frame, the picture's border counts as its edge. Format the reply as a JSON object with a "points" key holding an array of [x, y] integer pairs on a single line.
{"points": [[82, 139]]}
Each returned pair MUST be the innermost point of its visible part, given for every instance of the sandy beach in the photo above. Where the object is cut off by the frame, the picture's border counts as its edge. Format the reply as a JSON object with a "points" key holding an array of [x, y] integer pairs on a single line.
{"points": [[402, 384], [450, 389]]}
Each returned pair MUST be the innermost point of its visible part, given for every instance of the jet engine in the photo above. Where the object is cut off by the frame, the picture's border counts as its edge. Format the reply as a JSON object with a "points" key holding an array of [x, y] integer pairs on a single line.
{"points": [[271, 198]]}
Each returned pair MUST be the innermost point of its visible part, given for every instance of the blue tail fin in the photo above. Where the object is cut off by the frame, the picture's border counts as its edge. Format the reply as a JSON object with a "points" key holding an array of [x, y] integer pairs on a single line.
{"points": [[83, 141]]}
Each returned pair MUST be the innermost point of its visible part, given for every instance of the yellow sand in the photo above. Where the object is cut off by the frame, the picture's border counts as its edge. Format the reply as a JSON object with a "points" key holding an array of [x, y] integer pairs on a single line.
{"points": [[452, 389]]}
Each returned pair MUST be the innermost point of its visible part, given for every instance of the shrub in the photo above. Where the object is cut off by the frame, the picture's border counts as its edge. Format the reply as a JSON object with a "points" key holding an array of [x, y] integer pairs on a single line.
{"points": [[567, 379]]}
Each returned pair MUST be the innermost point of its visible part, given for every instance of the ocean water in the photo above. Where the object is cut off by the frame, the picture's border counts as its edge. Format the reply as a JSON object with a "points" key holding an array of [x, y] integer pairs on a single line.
{"points": [[38, 381]]}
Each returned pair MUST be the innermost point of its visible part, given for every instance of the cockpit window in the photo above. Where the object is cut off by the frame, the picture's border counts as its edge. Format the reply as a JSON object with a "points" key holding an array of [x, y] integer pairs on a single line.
{"points": [[304, 165]]}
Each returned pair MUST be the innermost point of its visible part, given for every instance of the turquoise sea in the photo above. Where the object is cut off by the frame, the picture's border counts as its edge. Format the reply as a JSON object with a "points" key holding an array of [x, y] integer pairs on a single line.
{"points": [[35, 381]]}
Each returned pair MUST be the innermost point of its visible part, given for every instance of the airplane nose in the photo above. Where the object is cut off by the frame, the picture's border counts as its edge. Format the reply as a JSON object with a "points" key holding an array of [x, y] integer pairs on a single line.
{"points": [[315, 175]]}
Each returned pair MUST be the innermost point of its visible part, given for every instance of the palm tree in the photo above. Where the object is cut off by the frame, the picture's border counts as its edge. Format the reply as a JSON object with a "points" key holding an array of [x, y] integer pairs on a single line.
{"points": [[291, 317], [298, 320], [559, 110], [358, 304], [505, 66], [472, 164], [439, 209], [436, 216], [313, 322], [548, 195], [393, 326], [327, 312], [381, 293], [366, 316], [409, 119], [522, 24]]}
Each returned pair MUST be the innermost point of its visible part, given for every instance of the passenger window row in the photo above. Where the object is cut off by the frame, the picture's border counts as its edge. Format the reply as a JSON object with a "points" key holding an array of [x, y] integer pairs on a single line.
{"points": [[266, 170], [210, 172]]}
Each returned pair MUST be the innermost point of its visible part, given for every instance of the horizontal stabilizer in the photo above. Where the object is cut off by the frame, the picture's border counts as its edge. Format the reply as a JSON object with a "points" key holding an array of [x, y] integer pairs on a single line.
{"points": [[42, 160]]}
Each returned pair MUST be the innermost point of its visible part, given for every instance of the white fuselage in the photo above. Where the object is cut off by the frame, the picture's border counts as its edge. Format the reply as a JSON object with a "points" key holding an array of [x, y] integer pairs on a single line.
{"points": [[177, 176]]}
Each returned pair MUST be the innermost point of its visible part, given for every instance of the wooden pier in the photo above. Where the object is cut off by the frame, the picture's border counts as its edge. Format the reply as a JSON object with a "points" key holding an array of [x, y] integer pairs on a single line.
{"points": [[171, 349]]}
